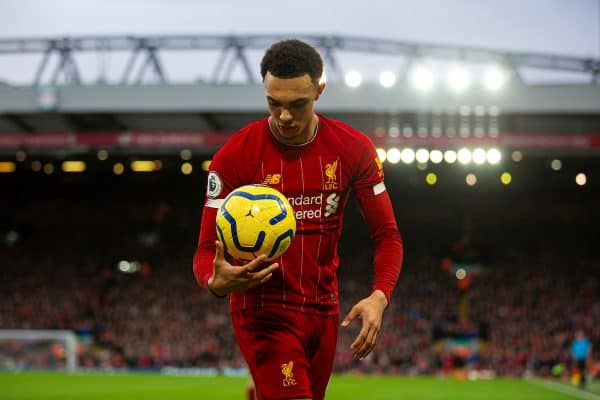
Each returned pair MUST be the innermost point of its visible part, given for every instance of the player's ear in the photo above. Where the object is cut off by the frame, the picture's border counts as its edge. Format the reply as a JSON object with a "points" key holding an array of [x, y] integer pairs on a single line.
{"points": [[320, 88]]}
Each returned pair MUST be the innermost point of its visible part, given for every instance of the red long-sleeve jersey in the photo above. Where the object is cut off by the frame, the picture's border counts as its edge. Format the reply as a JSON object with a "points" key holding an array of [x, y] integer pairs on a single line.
{"points": [[317, 178]]}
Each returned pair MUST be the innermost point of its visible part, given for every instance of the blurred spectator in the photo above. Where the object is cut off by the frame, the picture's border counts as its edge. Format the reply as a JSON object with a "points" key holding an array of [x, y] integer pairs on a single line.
{"points": [[536, 281]]}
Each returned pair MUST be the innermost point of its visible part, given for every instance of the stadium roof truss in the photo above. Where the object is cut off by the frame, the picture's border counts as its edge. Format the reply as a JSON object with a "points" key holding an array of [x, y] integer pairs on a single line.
{"points": [[212, 82], [233, 49]]}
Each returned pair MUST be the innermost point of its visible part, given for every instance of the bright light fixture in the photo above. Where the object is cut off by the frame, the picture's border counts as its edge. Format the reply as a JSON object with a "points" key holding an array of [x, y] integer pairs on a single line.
{"points": [[407, 155], [556, 165], [353, 79], [387, 79], [464, 156], [7, 167], [431, 178], [143, 166], [471, 179], [422, 79], [186, 168], [118, 169], [459, 80], [494, 79], [422, 156], [436, 156], [450, 156], [73, 166], [493, 156], [479, 156], [393, 155]]}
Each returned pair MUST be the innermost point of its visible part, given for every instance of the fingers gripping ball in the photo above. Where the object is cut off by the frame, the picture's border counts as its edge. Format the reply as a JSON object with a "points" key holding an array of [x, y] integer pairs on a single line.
{"points": [[255, 220]]}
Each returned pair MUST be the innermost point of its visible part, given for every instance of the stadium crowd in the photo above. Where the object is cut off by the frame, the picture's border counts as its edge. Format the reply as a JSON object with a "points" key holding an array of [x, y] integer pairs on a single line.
{"points": [[531, 278]]}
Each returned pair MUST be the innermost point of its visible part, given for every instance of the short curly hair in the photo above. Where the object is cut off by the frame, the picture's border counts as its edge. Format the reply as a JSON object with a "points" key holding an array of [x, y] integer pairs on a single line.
{"points": [[292, 58]]}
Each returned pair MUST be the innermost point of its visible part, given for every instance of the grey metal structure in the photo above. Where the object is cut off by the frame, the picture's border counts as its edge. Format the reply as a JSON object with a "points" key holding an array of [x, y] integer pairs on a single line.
{"points": [[369, 98], [146, 52], [65, 93]]}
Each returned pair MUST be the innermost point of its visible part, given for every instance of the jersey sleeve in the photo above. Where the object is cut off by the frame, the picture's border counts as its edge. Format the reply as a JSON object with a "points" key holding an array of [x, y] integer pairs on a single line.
{"points": [[376, 206], [222, 179]]}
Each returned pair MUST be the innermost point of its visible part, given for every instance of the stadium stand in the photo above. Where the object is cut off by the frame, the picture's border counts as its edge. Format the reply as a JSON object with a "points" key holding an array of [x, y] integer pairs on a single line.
{"points": [[531, 277]]}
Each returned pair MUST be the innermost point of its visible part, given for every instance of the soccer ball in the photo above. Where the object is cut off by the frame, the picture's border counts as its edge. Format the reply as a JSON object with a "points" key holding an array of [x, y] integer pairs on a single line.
{"points": [[255, 220]]}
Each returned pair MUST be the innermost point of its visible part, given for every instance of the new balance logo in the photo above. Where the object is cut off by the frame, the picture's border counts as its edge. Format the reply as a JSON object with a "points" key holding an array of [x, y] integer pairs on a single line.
{"points": [[271, 179], [333, 202]]}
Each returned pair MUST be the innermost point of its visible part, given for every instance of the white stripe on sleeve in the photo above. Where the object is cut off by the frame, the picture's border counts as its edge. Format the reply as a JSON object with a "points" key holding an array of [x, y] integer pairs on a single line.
{"points": [[379, 188], [214, 203]]}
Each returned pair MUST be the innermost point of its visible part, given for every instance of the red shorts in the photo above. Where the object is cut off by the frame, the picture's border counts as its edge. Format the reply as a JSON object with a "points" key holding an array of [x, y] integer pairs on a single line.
{"points": [[290, 354]]}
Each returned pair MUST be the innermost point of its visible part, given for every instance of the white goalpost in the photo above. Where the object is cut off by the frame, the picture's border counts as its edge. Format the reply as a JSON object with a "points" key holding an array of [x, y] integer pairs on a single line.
{"points": [[38, 349]]}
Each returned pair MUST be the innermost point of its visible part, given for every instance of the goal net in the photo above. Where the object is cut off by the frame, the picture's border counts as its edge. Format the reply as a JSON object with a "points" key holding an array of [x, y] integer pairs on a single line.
{"points": [[37, 349]]}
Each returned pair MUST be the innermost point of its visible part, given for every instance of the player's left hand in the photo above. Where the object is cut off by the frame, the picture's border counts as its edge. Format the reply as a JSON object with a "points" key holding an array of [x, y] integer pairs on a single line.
{"points": [[370, 311]]}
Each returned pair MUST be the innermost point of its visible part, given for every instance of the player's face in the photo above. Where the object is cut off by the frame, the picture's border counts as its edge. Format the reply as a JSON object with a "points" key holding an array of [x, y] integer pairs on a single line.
{"points": [[291, 105]]}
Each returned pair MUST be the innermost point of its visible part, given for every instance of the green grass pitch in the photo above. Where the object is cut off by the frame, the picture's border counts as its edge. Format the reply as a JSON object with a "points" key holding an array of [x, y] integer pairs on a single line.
{"points": [[41, 385]]}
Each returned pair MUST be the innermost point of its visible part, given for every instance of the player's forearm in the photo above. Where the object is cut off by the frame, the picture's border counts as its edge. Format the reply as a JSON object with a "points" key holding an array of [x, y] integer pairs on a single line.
{"points": [[388, 260], [380, 218], [205, 252], [203, 265]]}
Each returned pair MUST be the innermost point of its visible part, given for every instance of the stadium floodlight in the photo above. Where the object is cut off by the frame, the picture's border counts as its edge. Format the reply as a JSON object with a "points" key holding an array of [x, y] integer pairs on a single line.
{"points": [[381, 153], [422, 156], [506, 178], [387, 79], [493, 156], [450, 156], [436, 156], [494, 79], [353, 79], [407, 156], [479, 156], [459, 79], [422, 78], [464, 156], [581, 179], [393, 155]]}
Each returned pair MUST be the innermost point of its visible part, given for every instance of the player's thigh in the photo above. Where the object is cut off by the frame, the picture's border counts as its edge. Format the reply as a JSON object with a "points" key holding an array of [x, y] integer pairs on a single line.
{"points": [[323, 355], [275, 352]]}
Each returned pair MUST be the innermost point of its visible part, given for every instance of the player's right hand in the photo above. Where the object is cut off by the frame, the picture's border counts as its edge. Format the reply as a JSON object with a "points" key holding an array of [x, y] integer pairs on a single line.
{"points": [[227, 278]]}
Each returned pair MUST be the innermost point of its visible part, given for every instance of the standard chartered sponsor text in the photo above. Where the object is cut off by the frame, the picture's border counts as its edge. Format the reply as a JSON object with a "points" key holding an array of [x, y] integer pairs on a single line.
{"points": [[309, 207]]}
